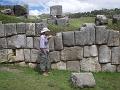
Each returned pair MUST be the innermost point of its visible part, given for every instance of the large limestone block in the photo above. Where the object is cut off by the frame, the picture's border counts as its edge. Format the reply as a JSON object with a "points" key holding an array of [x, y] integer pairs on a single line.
{"points": [[62, 21], [23, 64], [60, 65], [11, 55], [86, 51], [73, 66], [19, 55], [58, 42], [3, 43], [116, 55], [21, 28], [39, 27], [118, 68], [3, 55], [104, 54], [17, 41], [27, 55], [68, 38], [2, 32], [54, 56], [101, 35], [10, 29], [90, 64], [30, 29], [36, 42], [83, 80], [113, 39], [35, 55], [108, 67], [85, 36], [32, 65], [29, 42], [51, 44], [93, 51], [72, 53]]}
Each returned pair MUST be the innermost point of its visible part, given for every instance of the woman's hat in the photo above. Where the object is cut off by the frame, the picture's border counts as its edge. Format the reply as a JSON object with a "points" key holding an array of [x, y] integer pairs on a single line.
{"points": [[45, 30]]}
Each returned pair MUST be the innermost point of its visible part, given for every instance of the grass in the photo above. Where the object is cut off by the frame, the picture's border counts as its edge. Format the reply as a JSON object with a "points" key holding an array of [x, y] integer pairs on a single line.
{"points": [[29, 79]]}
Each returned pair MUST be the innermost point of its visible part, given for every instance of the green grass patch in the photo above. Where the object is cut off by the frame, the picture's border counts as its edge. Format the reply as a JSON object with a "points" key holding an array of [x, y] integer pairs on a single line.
{"points": [[29, 79]]}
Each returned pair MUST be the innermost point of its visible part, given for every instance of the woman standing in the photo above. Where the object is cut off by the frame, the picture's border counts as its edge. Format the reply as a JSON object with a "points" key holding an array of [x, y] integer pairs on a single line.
{"points": [[44, 50]]}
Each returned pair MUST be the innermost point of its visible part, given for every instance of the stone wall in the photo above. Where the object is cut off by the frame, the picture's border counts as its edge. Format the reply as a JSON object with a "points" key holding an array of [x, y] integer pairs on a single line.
{"points": [[92, 49]]}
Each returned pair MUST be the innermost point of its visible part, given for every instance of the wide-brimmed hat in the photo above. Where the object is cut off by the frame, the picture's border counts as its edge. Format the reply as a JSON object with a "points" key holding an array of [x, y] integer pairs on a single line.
{"points": [[45, 30]]}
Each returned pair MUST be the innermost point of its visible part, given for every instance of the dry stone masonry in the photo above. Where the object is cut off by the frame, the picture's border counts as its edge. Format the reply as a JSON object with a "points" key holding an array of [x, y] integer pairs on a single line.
{"points": [[91, 49]]}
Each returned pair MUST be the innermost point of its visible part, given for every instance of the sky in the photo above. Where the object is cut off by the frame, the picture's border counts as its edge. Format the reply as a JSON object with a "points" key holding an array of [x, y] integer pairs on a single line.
{"points": [[37, 7]]}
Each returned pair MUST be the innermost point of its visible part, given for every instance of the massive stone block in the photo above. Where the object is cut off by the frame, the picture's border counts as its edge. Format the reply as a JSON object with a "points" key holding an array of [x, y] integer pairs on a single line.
{"points": [[101, 35], [39, 27], [19, 55], [83, 80], [3, 43], [36, 42], [30, 29], [86, 51], [54, 56], [27, 55], [58, 42], [51, 44], [85, 36], [104, 54], [68, 38], [60, 65], [72, 53], [113, 39], [32, 65], [3, 55], [2, 32], [10, 29], [29, 42], [108, 67], [35, 55], [11, 55], [17, 41], [93, 51], [118, 68], [116, 55], [21, 28], [62, 21], [90, 64], [73, 66]]}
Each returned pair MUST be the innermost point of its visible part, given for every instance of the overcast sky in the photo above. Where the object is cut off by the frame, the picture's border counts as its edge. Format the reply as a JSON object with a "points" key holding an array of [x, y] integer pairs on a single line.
{"points": [[37, 7]]}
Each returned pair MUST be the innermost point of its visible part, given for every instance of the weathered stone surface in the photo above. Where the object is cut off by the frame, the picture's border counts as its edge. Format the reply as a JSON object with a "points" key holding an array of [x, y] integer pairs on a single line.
{"points": [[36, 42], [86, 51], [88, 25], [73, 66], [3, 43], [58, 42], [116, 55], [29, 42], [27, 55], [23, 64], [113, 39], [90, 64], [104, 54], [2, 32], [32, 65], [3, 55], [17, 41], [93, 51], [10, 29], [108, 67], [60, 65], [21, 28], [54, 56], [83, 80], [72, 53], [51, 44], [118, 68], [11, 55], [30, 29], [68, 38], [39, 27], [101, 35], [85, 36], [62, 21], [34, 55], [19, 55]]}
